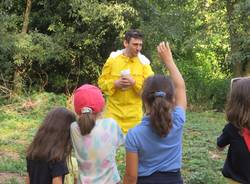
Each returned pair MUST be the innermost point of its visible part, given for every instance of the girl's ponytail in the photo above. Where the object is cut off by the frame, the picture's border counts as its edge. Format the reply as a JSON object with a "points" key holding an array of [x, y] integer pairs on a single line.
{"points": [[157, 97], [160, 116], [86, 120]]}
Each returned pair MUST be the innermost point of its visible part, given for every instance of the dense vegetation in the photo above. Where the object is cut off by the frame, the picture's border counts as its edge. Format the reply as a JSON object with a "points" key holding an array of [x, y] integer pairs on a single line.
{"points": [[58, 45]]}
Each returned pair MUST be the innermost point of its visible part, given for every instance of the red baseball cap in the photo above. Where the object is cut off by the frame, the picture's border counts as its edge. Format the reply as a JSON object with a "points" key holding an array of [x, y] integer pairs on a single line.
{"points": [[88, 96]]}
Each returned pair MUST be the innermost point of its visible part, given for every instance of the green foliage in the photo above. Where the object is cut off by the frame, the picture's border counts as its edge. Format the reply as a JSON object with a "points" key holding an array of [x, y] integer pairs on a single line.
{"points": [[120, 160], [12, 181], [69, 40], [218, 91], [199, 45], [239, 17], [10, 165], [205, 89], [65, 48]]}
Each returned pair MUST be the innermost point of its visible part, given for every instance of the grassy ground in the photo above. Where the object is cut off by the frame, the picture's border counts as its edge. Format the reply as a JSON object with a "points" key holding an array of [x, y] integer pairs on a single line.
{"points": [[19, 121]]}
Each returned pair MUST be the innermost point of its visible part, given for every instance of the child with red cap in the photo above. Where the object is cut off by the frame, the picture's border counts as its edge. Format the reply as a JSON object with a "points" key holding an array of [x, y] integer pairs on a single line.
{"points": [[95, 140]]}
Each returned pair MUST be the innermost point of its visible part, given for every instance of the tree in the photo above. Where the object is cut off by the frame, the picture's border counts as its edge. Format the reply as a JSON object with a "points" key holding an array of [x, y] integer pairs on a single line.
{"points": [[26, 16], [238, 14], [19, 71], [68, 46]]}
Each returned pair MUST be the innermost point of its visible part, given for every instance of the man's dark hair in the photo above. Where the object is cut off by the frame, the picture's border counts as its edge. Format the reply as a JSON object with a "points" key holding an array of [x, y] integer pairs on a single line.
{"points": [[133, 33]]}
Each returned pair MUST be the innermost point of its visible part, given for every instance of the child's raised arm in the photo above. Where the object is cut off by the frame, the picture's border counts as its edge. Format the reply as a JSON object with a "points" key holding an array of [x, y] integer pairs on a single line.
{"points": [[165, 54]]}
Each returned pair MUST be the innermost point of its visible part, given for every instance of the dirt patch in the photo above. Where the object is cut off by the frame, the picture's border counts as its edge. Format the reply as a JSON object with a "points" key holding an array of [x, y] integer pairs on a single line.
{"points": [[214, 155], [12, 155], [5, 177]]}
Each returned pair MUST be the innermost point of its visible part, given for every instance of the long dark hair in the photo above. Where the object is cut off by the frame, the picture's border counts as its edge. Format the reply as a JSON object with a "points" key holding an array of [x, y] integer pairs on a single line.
{"points": [[238, 105], [159, 105], [52, 140]]}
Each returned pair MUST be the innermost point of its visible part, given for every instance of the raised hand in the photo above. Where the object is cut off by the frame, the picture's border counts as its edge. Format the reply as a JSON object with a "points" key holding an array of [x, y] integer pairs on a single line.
{"points": [[164, 52]]}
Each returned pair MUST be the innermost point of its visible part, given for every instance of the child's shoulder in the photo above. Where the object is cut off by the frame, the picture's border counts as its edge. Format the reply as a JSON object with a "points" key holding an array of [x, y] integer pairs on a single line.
{"points": [[230, 127], [108, 122], [74, 124], [140, 128]]}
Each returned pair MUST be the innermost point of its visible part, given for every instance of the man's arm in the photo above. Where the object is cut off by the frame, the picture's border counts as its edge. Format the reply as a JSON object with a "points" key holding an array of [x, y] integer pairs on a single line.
{"points": [[105, 81]]}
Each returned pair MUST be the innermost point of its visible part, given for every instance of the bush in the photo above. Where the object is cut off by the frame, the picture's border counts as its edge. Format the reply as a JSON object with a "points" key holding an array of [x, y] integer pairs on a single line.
{"points": [[218, 90]]}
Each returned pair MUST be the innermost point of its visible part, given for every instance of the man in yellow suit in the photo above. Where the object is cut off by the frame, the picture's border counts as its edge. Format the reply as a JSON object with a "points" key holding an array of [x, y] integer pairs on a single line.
{"points": [[121, 80]]}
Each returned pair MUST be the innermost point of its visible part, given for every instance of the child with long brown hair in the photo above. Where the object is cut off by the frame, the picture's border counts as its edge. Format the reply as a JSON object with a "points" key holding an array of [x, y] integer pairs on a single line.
{"points": [[47, 154], [236, 132], [154, 147]]}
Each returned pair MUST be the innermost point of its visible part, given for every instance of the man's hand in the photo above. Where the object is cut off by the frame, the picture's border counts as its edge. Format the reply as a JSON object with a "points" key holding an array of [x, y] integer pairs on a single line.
{"points": [[124, 83]]}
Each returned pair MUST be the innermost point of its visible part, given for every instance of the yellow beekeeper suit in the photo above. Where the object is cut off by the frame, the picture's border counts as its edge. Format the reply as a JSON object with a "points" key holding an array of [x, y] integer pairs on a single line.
{"points": [[124, 105]]}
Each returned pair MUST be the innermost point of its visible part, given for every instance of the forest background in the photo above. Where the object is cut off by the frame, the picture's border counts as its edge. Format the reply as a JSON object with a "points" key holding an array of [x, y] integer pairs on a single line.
{"points": [[57, 45], [50, 47]]}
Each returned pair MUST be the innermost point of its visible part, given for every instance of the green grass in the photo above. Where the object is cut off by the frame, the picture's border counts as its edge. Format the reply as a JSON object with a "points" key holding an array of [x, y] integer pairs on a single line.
{"points": [[12, 181], [201, 161]]}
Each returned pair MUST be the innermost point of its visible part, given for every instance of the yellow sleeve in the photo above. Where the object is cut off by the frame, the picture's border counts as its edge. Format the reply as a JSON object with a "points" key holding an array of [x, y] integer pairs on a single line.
{"points": [[105, 81], [147, 71]]}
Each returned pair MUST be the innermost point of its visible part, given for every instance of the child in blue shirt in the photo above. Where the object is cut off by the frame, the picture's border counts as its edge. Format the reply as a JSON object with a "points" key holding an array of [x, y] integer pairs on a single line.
{"points": [[154, 147]]}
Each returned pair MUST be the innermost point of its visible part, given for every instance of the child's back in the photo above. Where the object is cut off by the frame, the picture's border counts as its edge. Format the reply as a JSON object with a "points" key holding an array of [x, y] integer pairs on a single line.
{"points": [[94, 139]]}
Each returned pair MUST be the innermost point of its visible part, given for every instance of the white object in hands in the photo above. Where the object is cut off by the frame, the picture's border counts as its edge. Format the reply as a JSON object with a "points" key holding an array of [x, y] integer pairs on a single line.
{"points": [[125, 73]]}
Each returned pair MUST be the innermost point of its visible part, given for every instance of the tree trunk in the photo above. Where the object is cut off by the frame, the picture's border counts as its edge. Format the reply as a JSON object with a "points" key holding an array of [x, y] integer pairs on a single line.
{"points": [[18, 78], [232, 28], [26, 16]]}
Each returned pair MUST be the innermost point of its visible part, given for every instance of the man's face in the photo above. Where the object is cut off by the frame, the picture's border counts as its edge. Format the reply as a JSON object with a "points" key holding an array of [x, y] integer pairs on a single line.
{"points": [[133, 47]]}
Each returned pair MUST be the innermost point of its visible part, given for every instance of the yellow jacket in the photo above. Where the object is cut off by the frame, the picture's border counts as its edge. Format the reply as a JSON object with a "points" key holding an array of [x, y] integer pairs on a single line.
{"points": [[125, 106]]}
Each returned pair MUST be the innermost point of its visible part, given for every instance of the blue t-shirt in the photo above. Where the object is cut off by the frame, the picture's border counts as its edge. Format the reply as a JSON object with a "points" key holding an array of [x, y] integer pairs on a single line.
{"points": [[156, 153]]}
